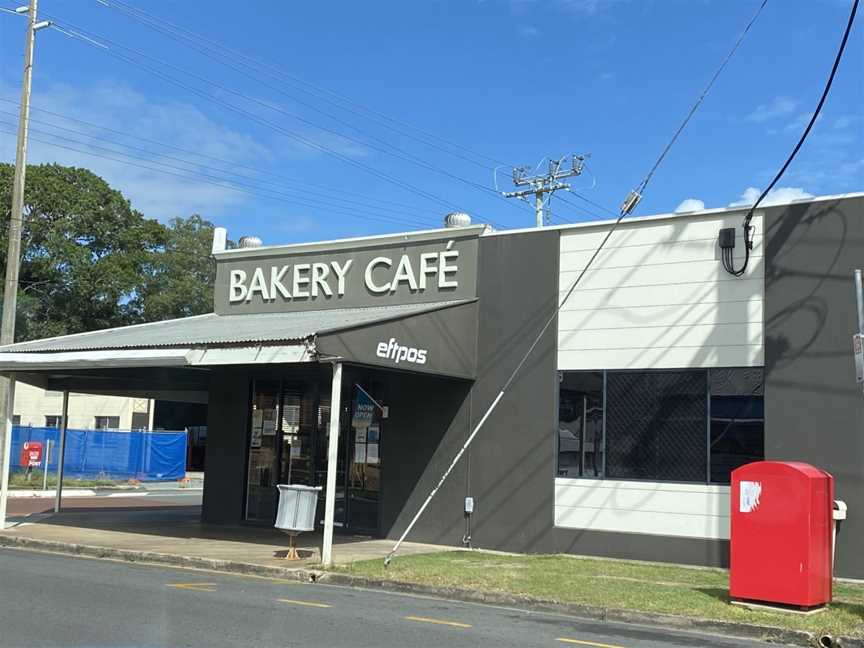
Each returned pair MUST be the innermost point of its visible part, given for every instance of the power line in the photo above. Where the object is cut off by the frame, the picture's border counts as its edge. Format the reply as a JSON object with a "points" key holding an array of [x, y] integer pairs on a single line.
{"points": [[182, 33], [173, 147], [230, 184], [728, 260], [306, 191], [636, 195], [250, 115], [85, 36]]}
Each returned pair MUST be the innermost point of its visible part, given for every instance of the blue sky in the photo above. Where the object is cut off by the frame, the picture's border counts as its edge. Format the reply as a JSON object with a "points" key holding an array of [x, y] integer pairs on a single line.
{"points": [[499, 81]]}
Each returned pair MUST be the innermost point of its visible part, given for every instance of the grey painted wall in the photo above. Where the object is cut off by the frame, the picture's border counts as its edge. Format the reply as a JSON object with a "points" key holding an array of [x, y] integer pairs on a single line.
{"points": [[814, 410], [510, 468], [227, 429]]}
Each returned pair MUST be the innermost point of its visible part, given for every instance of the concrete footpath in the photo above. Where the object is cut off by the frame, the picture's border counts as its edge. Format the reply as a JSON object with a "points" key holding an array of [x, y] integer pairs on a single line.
{"points": [[175, 537]]}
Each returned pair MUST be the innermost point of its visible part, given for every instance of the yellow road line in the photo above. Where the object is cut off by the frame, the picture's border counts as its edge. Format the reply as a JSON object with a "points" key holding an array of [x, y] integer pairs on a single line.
{"points": [[307, 603], [195, 587], [587, 643], [437, 621]]}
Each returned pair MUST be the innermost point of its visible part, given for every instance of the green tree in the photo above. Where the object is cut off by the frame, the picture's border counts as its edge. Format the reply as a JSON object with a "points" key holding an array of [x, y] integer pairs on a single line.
{"points": [[91, 261], [180, 279]]}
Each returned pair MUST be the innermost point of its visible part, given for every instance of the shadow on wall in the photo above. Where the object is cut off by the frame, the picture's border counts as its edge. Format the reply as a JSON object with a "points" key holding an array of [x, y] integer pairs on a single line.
{"points": [[792, 331]]}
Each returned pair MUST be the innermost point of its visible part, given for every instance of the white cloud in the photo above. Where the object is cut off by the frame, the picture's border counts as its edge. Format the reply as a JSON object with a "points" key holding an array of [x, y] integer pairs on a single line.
{"points": [[775, 196], [778, 107], [162, 195], [798, 124], [690, 205], [528, 31]]}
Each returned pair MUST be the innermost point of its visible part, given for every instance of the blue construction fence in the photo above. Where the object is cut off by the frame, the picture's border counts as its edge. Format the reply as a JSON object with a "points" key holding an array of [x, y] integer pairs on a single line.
{"points": [[108, 454]]}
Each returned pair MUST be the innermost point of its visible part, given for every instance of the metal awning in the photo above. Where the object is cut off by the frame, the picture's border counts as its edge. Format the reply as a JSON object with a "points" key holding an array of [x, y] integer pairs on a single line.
{"points": [[174, 357]]}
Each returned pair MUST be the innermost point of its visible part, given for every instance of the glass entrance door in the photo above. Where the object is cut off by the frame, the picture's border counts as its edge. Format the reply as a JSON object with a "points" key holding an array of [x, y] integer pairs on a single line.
{"points": [[364, 466], [288, 445], [263, 452]]}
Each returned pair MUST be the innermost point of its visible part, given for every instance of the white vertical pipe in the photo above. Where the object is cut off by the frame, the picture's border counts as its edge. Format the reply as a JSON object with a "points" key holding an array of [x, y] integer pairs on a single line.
{"points": [[61, 455], [332, 462], [7, 451]]}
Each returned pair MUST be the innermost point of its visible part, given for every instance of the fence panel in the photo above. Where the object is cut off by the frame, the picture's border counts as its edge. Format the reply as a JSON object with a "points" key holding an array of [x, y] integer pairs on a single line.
{"points": [[109, 454]]}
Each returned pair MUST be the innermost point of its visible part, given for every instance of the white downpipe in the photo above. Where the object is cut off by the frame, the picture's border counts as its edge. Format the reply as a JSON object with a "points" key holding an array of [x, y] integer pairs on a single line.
{"points": [[332, 460]]}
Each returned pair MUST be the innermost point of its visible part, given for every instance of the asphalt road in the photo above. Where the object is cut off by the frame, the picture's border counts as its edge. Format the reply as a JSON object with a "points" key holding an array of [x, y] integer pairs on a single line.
{"points": [[54, 600]]}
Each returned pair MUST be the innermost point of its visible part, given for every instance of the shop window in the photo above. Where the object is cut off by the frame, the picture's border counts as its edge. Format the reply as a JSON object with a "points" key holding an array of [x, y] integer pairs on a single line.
{"points": [[53, 421], [580, 424], [107, 423], [661, 425], [16, 419], [737, 420], [656, 425]]}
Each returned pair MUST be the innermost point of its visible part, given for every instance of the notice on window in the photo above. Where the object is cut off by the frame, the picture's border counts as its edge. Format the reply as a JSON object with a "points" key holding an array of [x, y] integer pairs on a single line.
{"points": [[750, 491], [269, 428], [296, 447], [360, 453], [374, 431], [255, 438], [372, 453], [360, 435]]}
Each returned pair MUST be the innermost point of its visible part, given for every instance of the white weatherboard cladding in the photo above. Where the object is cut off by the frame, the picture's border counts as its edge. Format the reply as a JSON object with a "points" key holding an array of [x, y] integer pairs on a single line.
{"points": [[657, 296], [664, 509]]}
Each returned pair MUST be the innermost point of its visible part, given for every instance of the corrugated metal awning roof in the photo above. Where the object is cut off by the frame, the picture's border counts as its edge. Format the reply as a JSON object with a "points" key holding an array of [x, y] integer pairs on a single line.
{"points": [[216, 330]]}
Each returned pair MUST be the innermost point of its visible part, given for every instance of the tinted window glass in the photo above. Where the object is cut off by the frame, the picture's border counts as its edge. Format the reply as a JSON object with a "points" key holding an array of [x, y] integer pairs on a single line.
{"points": [[580, 424], [656, 425], [737, 420]]}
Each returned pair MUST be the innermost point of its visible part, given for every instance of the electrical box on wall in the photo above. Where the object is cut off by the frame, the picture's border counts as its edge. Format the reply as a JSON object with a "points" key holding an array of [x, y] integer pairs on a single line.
{"points": [[727, 238]]}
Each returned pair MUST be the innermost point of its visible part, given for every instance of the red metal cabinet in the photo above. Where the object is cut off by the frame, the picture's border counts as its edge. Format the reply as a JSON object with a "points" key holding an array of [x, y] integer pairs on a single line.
{"points": [[780, 549]]}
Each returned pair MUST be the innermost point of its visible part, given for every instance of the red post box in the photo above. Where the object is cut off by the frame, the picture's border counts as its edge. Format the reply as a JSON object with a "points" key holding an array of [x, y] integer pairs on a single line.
{"points": [[31, 454], [780, 548]]}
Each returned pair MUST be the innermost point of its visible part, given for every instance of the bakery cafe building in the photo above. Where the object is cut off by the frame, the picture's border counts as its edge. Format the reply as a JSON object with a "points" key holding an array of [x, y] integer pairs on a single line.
{"points": [[362, 365]]}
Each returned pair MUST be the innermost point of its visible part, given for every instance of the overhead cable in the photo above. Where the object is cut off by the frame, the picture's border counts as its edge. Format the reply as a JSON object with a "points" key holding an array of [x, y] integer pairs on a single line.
{"points": [[636, 195], [336, 99], [728, 261]]}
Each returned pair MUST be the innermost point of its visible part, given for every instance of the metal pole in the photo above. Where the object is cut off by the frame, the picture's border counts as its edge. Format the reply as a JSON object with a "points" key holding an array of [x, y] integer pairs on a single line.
{"points": [[332, 461], [859, 297], [7, 450], [47, 460], [61, 456], [538, 207]]}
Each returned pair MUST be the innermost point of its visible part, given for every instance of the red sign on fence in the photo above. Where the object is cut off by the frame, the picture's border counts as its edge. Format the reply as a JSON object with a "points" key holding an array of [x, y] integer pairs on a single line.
{"points": [[31, 454]]}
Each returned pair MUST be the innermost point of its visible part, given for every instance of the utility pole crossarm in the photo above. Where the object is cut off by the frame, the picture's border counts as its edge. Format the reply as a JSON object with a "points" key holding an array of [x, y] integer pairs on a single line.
{"points": [[547, 183]]}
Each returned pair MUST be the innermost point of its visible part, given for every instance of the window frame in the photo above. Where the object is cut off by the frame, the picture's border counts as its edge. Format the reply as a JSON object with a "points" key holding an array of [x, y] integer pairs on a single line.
{"points": [[109, 419], [561, 374]]}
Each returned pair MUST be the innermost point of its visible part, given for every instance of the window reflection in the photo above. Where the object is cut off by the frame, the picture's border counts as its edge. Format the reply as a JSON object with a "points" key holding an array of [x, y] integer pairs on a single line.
{"points": [[580, 425]]}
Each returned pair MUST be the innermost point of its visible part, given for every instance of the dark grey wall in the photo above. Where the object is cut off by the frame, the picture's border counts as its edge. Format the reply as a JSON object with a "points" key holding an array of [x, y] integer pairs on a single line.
{"points": [[447, 335], [416, 450], [227, 430], [510, 468], [814, 411]]}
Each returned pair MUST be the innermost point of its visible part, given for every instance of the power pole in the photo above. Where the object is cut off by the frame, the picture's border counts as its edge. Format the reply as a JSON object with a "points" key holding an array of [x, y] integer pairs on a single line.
{"points": [[548, 183], [13, 255]]}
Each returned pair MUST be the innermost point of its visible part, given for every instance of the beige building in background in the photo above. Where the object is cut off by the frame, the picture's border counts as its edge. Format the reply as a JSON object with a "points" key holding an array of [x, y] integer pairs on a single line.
{"points": [[37, 407]]}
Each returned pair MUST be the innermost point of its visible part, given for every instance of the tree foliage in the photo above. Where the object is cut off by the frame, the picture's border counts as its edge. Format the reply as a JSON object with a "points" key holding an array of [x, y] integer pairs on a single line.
{"points": [[91, 261]]}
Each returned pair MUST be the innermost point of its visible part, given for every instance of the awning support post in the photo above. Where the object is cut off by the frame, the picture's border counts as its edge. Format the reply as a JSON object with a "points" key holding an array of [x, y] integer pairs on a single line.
{"points": [[61, 455], [7, 450], [332, 461]]}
